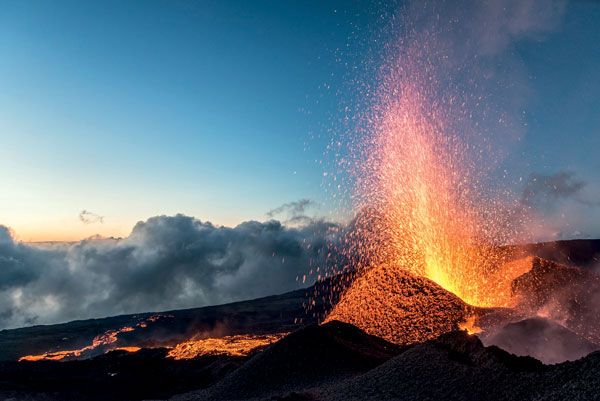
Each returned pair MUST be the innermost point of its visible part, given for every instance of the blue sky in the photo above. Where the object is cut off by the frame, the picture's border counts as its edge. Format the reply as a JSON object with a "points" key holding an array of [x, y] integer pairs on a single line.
{"points": [[564, 109], [221, 109]]}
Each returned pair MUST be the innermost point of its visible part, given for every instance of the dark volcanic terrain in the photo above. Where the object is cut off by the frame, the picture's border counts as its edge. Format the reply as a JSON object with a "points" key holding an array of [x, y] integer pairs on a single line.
{"points": [[334, 361], [265, 315]]}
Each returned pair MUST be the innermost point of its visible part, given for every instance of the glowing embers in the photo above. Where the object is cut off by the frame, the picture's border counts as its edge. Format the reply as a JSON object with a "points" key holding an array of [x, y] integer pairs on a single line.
{"points": [[432, 221], [470, 325], [235, 345], [402, 308]]}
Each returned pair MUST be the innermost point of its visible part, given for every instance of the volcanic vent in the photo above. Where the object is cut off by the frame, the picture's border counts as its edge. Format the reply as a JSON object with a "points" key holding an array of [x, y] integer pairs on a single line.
{"points": [[400, 307], [433, 214]]}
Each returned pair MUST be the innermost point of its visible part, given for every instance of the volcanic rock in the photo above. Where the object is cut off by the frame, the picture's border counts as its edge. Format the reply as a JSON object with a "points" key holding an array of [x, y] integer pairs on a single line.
{"points": [[400, 307], [455, 366], [315, 355], [458, 367], [568, 295], [542, 339]]}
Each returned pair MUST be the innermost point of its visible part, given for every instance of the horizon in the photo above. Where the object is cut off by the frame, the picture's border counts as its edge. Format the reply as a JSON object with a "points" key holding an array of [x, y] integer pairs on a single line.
{"points": [[228, 122], [299, 200], [229, 147]]}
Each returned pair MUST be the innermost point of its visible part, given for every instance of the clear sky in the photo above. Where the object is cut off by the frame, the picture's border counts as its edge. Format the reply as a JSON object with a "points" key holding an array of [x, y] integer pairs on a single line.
{"points": [[220, 109]]}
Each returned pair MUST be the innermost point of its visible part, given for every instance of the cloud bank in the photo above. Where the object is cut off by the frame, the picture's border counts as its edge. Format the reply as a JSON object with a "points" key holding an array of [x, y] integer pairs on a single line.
{"points": [[167, 262]]}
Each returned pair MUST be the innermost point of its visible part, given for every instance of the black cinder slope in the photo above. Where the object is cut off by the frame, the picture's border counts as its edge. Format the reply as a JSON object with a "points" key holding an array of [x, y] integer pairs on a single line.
{"points": [[457, 366], [313, 356]]}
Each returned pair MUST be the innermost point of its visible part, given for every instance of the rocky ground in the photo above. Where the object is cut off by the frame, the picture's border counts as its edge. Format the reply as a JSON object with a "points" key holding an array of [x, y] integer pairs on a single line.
{"points": [[338, 361], [455, 366]]}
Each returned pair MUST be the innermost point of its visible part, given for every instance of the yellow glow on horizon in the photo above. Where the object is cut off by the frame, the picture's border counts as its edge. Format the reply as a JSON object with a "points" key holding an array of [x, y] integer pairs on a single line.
{"points": [[70, 233], [72, 230]]}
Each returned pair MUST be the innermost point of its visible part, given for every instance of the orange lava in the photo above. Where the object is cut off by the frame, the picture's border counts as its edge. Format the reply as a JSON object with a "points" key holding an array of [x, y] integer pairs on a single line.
{"points": [[430, 220], [396, 305], [426, 205], [50, 356], [235, 345], [470, 325], [128, 349], [106, 340]]}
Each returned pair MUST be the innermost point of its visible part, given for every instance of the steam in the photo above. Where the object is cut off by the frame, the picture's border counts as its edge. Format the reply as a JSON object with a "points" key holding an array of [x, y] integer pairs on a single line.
{"points": [[167, 262], [544, 191], [543, 339], [561, 206]]}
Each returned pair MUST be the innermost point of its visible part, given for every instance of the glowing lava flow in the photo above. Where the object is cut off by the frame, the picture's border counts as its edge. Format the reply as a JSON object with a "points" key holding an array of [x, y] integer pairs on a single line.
{"points": [[470, 325], [106, 341], [235, 345]]}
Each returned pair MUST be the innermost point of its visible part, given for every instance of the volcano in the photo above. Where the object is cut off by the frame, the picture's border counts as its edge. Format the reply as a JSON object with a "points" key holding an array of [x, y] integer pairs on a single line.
{"points": [[389, 335], [400, 307]]}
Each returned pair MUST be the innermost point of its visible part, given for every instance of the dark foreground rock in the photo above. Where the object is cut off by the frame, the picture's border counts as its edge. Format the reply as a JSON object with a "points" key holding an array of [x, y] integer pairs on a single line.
{"points": [[542, 339], [315, 355], [117, 375], [456, 366]]}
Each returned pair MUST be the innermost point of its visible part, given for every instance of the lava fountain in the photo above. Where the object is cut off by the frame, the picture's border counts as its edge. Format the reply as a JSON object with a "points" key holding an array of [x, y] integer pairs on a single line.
{"points": [[418, 178], [422, 171]]}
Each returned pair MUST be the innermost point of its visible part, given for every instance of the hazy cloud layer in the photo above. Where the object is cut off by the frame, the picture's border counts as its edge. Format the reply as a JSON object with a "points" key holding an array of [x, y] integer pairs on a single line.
{"points": [[166, 263]]}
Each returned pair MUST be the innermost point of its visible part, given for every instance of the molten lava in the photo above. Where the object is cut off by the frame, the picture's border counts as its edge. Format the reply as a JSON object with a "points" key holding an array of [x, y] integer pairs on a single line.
{"points": [[400, 307], [235, 345], [428, 212], [105, 341], [430, 219], [470, 325]]}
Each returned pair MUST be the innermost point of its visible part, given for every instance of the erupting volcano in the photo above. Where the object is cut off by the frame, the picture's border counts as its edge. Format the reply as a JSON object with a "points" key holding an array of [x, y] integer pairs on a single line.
{"points": [[453, 259], [432, 215]]}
